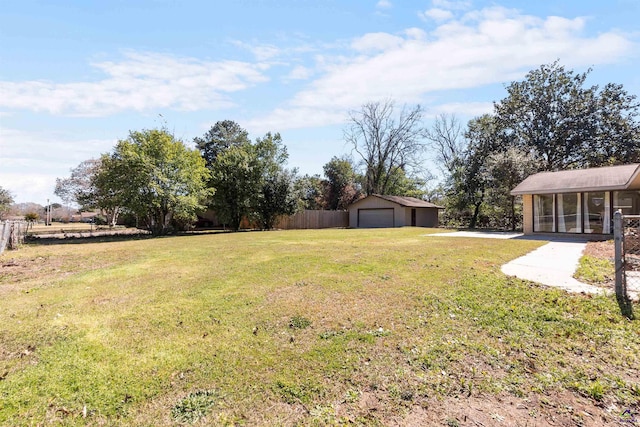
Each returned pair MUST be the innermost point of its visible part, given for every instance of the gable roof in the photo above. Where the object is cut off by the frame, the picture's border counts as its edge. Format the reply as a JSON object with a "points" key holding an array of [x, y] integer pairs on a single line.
{"points": [[409, 202], [572, 181]]}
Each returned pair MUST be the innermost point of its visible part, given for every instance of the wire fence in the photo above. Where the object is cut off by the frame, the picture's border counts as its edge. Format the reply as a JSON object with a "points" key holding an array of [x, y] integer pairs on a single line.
{"points": [[626, 235], [12, 234]]}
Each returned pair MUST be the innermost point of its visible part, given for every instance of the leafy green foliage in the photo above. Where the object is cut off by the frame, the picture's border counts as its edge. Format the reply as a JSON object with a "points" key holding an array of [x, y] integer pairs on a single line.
{"points": [[341, 185], [299, 322], [155, 177], [250, 179], [6, 200], [567, 124]]}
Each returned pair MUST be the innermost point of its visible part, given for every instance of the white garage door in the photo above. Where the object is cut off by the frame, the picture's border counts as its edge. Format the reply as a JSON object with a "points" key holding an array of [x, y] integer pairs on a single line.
{"points": [[375, 218]]}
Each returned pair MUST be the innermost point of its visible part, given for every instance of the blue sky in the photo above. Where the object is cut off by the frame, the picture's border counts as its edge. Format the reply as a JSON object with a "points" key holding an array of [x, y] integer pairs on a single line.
{"points": [[76, 76]]}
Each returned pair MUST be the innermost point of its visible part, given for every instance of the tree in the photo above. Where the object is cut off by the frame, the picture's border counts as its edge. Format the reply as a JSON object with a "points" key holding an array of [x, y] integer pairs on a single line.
{"points": [[91, 187], [79, 187], [275, 195], [223, 135], [384, 143], [6, 200], [503, 171], [31, 218], [566, 124], [617, 130], [235, 174], [341, 186], [463, 157], [155, 177], [309, 192]]}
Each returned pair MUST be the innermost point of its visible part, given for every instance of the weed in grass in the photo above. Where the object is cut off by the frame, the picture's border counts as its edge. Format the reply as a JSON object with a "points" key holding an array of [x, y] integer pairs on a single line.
{"points": [[299, 322], [194, 407], [304, 393]]}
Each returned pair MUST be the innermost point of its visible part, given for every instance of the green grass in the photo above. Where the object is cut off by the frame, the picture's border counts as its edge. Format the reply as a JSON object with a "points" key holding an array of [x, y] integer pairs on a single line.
{"points": [[294, 327], [594, 270]]}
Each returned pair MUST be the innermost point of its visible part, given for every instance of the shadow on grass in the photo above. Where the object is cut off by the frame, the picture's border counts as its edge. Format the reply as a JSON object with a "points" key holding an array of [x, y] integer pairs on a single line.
{"points": [[80, 238]]}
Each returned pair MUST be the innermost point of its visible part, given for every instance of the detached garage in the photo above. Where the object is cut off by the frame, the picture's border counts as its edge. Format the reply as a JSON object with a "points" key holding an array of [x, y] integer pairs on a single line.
{"points": [[377, 211]]}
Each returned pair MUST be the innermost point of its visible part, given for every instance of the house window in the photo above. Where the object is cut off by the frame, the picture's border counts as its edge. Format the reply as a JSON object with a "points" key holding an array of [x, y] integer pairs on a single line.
{"points": [[627, 201], [543, 213], [597, 212], [569, 213]]}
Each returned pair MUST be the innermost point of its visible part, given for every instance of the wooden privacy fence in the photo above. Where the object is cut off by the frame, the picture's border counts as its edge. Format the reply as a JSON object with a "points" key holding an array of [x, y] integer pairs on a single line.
{"points": [[314, 219], [12, 234]]}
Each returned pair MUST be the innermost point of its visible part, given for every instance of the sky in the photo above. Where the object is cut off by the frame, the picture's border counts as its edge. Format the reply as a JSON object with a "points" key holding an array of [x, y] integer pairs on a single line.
{"points": [[77, 76]]}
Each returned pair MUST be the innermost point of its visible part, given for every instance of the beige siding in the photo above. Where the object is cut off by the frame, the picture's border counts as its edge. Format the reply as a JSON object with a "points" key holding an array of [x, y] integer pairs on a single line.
{"points": [[425, 217], [527, 213], [376, 203]]}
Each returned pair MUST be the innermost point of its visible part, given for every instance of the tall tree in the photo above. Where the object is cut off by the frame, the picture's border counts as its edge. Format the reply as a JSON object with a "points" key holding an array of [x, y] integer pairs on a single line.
{"points": [[385, 143], [221, 136], [6, 200], [275, 195], [567, 124], [156, 177], [235, 174]]}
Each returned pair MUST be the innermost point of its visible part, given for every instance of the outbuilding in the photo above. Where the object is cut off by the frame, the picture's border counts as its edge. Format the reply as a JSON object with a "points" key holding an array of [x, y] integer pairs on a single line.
{"points": [[378, 211], [580, 201]]}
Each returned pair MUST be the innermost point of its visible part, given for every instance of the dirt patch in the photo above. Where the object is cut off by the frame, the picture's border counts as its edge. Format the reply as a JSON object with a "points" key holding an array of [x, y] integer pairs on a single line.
{"points": [[601, 250], [560, 409]]}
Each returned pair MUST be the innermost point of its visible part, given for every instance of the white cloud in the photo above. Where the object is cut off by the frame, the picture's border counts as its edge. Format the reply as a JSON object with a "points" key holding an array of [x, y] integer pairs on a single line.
{"points": [[488, 46], [45, 156], [299, 72], [436, 14], [376, 42], [140, 82], [452, 5], [384, 4]]}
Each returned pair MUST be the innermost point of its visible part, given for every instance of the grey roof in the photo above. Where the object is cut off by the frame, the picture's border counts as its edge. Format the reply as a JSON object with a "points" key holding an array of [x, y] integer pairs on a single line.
{"points": [[409, 202], [577, 180]]}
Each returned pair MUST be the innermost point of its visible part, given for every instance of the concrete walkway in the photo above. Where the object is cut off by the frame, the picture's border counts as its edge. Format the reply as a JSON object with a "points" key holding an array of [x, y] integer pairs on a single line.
{"points": [[552, 264]]}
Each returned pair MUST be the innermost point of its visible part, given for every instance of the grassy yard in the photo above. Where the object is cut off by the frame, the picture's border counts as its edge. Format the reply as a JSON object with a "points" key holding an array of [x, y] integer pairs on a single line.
{"points": [[322, 327]]}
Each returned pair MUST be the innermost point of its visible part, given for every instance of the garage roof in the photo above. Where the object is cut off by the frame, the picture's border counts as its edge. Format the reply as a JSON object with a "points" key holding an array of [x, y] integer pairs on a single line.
{"points": [[607, 178], [410, 202]]}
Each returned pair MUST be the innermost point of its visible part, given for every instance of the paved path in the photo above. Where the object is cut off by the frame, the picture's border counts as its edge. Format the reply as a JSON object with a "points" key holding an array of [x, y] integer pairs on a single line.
{"points": [[552, 264]]}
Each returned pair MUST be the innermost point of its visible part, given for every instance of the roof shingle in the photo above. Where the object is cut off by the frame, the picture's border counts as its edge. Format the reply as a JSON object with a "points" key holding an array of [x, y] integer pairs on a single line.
{"points": [[571, 181]]}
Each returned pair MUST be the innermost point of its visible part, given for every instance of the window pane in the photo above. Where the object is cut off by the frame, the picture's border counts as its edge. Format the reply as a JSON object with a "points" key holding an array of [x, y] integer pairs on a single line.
{"points": [[596, 213], [569, 218], [543, 219], [628, 201]]}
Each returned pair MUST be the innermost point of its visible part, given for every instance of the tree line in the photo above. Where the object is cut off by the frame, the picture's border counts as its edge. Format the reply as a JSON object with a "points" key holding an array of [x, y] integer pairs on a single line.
{"points": [[551, 120]]}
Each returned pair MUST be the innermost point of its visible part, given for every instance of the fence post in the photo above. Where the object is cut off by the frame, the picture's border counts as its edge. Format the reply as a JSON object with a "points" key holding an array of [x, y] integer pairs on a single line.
{"points": [[624, 302], [618, 236]]}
